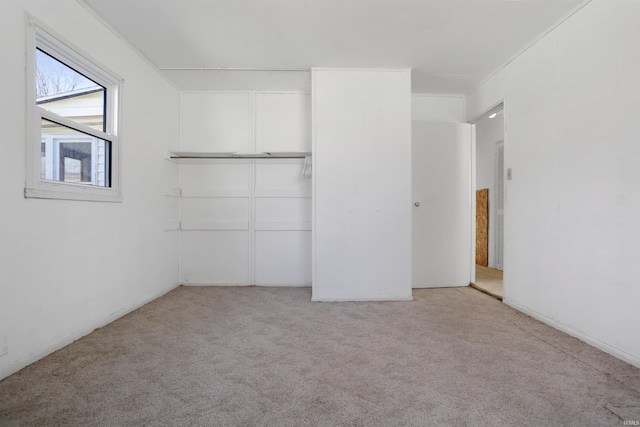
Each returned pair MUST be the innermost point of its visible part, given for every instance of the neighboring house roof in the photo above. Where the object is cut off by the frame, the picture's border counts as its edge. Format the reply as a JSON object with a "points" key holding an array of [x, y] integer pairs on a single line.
{"points": [[70, 94]]}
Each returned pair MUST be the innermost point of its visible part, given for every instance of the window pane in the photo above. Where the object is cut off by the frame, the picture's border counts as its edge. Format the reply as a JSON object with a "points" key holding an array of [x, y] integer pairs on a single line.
{"points": [[64, 91], [72, 156], [43, 159]]}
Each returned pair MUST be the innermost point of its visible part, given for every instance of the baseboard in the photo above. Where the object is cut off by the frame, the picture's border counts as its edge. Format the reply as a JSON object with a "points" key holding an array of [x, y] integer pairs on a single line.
{"points": [[600, 345], [438, 286], [56, 345], [284, 285], [226, 284], [244, 285], [376, 299], [486, 291]]}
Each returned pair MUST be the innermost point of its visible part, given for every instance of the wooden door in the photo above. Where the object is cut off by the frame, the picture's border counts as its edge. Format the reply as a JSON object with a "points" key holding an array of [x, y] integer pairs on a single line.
{"points": [[482, 227]]}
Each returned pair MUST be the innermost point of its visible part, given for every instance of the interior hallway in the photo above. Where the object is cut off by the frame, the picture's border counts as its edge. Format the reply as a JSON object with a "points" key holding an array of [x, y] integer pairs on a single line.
{"points": [[269, 356], [489, 280]]}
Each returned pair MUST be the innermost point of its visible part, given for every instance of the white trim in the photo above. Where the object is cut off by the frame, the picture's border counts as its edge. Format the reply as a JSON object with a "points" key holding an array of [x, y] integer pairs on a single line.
{"points": [[72, 124], [253, 155], [223, 193], [374, 299], [314, 180], [283, 226], [496, 173], [505, 137], [253, 142], [68, 191], [384, 70], [290, 193], [499, 106], [68, 53], [607, 348], [296, 70], [282, 92], [437, 95], [247, 91], [214, 225], [283, 285], [472, 194], [221, 284], [222, 92], [409, 200]]}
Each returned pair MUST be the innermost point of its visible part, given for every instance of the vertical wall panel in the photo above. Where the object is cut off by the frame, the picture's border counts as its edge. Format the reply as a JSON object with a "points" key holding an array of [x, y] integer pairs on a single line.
{"points": [[282, 251], [362, 184], [281, 177], [227, 174], [216, 121], [215, 257], [283, 258], [283, 122], [215, 212], [283, 209], [215, 209]]}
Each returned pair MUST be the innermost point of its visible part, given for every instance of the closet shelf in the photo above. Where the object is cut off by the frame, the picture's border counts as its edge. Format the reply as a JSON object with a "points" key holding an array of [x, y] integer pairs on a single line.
{"points": [[233, 155]]}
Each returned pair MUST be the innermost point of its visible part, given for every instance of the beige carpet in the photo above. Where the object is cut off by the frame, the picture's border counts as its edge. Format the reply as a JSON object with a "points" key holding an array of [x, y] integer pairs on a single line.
{"points": [[270, 357], [489, 280]]}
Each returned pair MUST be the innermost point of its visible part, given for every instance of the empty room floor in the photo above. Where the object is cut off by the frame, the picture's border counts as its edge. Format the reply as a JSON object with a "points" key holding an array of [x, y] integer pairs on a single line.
{"points": [[489, 280], [270, 357]]}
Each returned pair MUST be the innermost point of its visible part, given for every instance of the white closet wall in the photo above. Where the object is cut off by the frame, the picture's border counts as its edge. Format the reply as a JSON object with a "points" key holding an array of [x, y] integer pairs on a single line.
{"points": [[362, 184], [245, 221]]}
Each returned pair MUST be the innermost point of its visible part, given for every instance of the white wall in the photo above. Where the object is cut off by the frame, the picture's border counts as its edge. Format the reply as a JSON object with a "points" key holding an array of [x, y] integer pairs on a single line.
{"points": [[245, 222], [68, 267], [571, 212], [437, 108], [233, 80], [362, 184], [488, 133]]}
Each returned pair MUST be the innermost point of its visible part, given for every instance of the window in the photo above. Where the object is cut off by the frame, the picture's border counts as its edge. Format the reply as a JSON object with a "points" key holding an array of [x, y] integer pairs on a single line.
{"points": [[72, 135]]}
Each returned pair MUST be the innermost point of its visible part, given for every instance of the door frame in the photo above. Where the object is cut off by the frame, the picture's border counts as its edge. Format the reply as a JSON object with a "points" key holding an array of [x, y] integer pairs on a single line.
{"points": [[496, 107], [496, 231]]}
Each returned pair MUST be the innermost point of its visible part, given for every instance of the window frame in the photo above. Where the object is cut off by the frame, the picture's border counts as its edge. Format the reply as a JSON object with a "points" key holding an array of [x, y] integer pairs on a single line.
{"points": [[43, 38]]}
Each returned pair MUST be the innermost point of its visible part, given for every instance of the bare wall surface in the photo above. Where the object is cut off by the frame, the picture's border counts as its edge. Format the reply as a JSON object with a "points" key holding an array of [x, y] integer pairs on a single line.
{"points": [[437, 108], [67, 266], [362, 184], [571, 221]]}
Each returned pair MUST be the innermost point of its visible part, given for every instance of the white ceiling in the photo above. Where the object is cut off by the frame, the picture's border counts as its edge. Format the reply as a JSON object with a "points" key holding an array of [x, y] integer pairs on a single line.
{"points": [[452, 45]]}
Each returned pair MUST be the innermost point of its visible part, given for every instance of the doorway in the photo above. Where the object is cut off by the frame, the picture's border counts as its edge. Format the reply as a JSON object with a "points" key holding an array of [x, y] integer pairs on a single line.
{"points": [[490, 180]]}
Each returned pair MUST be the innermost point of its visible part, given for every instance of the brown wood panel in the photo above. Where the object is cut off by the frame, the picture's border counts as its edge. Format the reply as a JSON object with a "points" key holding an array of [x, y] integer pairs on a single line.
{"points": [[482, 227]]}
